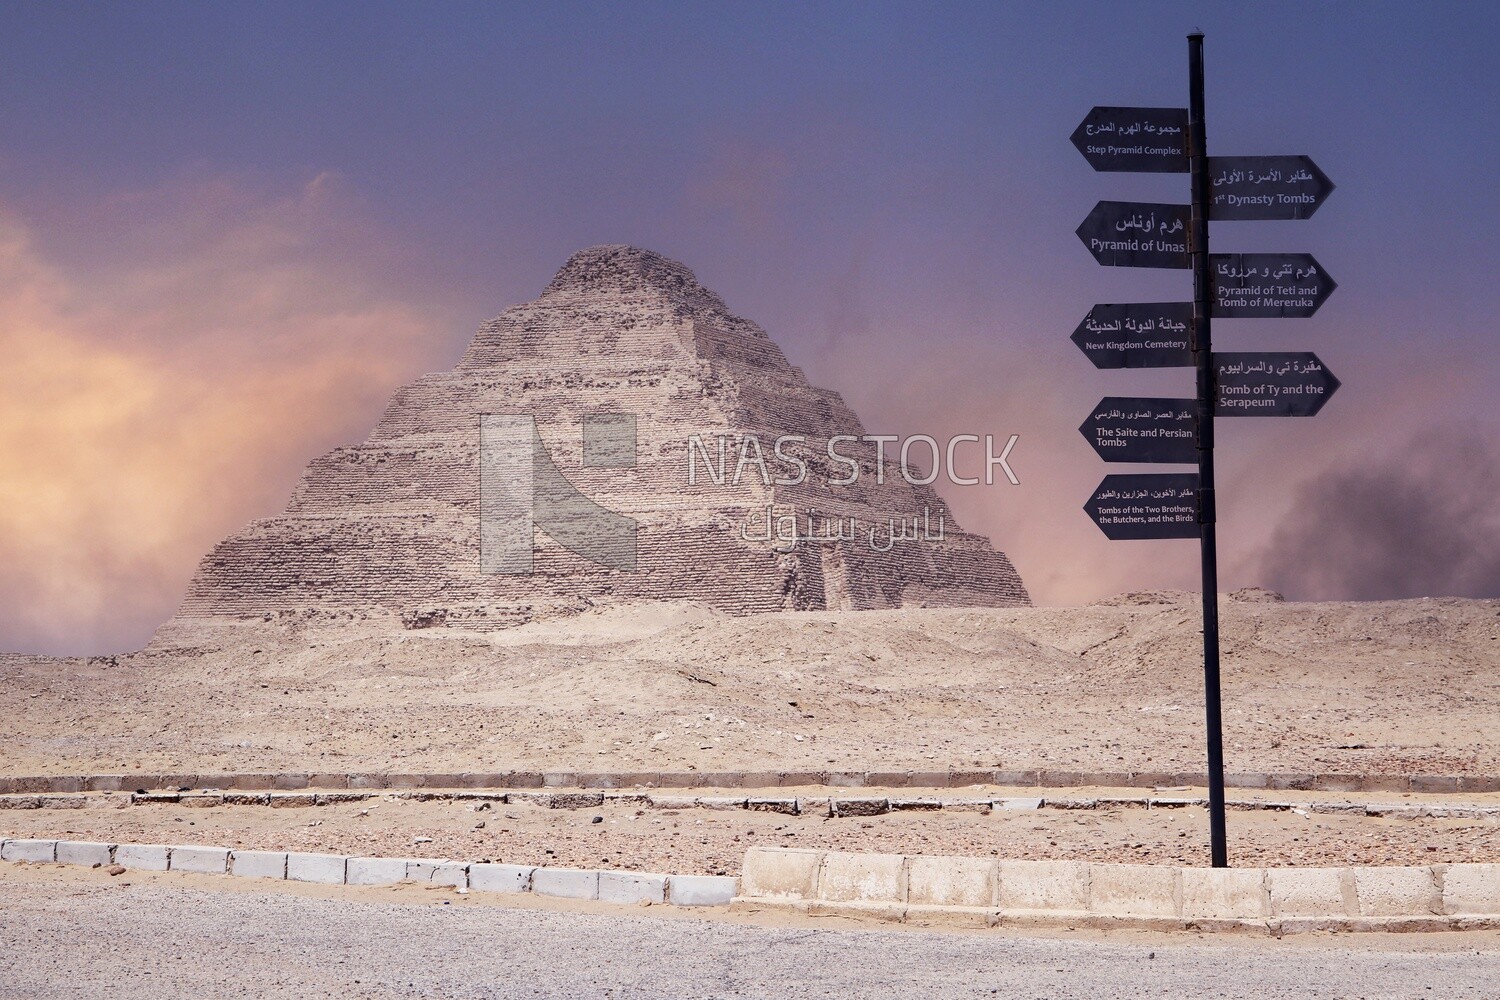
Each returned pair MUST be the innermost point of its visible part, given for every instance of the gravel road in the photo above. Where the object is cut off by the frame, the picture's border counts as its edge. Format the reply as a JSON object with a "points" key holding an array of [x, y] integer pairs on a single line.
{"points": [[88, 936]]}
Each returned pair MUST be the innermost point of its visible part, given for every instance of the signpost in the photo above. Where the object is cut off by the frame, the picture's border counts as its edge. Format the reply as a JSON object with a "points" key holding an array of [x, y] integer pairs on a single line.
{"points": [[1137, 335], [1138, 429], [1265, 187], [1208, 541], [1271, 385], [1151, 335], [1149, 505], [1131, 234]]}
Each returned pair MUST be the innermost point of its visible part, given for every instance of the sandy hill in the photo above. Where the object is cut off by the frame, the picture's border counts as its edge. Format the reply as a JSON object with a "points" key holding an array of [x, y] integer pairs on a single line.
{"points": [[1401, 686]]}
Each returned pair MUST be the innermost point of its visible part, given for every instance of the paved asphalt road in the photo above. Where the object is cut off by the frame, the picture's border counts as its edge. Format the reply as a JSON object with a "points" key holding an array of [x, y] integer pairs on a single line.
{"points": [[90, 937]]}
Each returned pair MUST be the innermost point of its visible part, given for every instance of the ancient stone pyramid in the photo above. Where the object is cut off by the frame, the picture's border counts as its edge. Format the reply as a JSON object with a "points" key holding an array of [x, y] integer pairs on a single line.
{"points": [[392, 527]]}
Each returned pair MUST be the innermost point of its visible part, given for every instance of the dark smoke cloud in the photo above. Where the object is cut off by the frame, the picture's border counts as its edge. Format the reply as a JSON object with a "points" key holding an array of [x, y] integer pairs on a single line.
{"points": [[1422, 520]]}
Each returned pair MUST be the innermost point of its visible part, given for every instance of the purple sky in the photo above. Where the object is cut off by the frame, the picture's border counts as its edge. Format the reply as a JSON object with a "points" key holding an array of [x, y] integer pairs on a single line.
{"points": [[227, 231]]}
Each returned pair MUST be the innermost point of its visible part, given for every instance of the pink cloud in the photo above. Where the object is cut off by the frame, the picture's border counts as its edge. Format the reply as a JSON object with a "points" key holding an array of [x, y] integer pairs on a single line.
{"points": [[161, 394]]}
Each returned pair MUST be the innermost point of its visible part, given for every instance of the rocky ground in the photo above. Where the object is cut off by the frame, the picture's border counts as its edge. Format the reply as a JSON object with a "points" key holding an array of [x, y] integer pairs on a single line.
{"points": [[1394, 687]]}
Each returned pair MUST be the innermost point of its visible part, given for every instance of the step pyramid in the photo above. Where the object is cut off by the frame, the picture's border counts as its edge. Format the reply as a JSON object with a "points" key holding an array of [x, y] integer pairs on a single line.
{"points": [[633, 376]]}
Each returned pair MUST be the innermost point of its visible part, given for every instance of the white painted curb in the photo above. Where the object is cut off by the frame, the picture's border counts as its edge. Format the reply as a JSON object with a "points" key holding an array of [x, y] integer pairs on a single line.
{"points": [[333, 869]]}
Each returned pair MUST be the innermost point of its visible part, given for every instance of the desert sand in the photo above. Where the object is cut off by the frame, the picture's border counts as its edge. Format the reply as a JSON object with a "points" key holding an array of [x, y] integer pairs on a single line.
{"points": [[1405, 687]]}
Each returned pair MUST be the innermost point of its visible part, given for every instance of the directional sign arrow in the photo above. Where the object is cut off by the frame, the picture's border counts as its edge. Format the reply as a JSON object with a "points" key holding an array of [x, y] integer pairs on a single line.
{"points": [[1133, 429], [1146, 505], [1137, 335], [1259, 384], [1147, 140], [1262, 285], [1136, 234], [1265, 187]]}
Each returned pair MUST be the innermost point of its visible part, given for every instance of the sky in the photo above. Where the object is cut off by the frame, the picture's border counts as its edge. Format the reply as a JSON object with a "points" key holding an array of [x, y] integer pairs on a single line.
{"points": [[229, 231]]}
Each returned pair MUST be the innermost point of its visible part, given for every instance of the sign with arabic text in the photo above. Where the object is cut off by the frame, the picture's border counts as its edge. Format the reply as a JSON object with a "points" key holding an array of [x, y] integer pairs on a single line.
{"points": [[1136, 234], [1267, 285], [1135, 429], [1145, 140], [1264, 384], [1137, 335], [1265, 187], [1146, 505]]}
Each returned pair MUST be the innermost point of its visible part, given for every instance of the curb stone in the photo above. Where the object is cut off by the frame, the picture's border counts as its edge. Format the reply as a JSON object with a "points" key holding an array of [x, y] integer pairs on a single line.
{"points": [[328, 869], [89, 853], [454, 874], [500, 878], [917, 889], [567, 883], [610, 886], [145, 857], [201, 860], [984, 892], [374, 871], [28, 850], [631, 887], [258, 864], [700, 890]]}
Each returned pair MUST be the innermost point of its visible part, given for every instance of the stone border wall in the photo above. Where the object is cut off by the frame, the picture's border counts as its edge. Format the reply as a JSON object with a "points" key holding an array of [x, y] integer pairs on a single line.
{"points": [[952, 778], [991, 892], [834, 806]]}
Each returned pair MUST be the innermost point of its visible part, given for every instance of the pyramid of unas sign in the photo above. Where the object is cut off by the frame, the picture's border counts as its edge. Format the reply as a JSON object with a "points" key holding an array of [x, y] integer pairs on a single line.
{"points": [[622, 437]]}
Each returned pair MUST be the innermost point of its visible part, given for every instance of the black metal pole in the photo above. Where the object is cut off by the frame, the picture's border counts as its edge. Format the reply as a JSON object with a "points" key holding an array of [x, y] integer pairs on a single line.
{"points": [[1203, 359]]}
